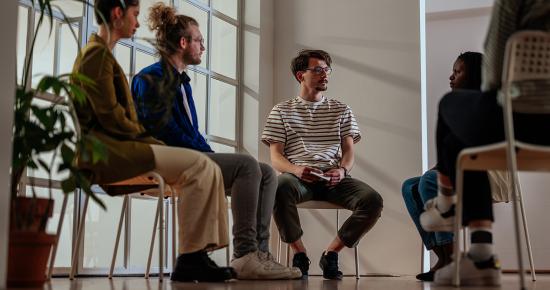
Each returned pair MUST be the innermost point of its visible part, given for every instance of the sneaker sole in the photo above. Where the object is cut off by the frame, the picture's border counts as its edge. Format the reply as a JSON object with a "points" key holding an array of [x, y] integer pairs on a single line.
{"points": [[283, 276], [200, 278]]}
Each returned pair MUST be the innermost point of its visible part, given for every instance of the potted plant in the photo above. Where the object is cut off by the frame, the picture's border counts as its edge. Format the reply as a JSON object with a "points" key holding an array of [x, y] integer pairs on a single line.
{"points": [[39, 130]]}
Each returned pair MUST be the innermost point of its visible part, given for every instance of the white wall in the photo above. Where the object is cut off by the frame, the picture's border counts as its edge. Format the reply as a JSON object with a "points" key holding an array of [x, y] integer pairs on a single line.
{"points": [[375, 49], [8, 18], [453, 5], [448, 33]]}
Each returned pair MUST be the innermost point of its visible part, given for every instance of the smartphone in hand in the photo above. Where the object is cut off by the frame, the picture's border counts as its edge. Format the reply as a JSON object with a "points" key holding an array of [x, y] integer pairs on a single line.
{"points": [[320, 175]]}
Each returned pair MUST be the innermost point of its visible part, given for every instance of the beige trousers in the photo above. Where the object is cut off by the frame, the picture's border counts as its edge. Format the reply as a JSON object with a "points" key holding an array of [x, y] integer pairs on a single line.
{"points": [[198, 184]]}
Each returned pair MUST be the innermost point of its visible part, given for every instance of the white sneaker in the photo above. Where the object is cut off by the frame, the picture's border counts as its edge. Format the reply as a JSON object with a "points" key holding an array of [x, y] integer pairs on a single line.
{"points": [[294, 272], [472, 273], [433, 220], [257, 266]]}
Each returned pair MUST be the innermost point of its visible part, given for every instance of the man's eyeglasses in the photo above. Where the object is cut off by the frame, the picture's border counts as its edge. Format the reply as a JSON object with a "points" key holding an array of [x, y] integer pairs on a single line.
{"points": [[318, 70], [199, 40]]}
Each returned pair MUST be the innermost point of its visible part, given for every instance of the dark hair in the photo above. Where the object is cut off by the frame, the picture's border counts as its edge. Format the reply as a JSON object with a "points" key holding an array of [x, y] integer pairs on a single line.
{"points": [[170, 27], [472, 65], [301, 62], [103, 8]]}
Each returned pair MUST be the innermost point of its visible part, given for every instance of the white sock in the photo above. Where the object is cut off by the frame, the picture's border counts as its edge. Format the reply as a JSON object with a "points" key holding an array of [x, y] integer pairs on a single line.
{"points": [[481, 239]]}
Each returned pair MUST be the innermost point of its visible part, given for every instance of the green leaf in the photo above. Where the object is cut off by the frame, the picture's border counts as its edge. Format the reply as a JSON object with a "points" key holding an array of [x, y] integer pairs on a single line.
{"points": [[44, 165], [69, 184], [67, 154]]}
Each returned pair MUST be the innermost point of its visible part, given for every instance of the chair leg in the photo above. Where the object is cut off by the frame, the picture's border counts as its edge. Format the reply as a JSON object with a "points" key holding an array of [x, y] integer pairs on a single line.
{"points": [[458, 221], [279, 249], [58, 234], [161, 225], [356, 263], [228, 249], [152, 244], [465, 244], [79, 236], [287, 255], [174, 244], [513, 173], [119, 230], [526, 233]]}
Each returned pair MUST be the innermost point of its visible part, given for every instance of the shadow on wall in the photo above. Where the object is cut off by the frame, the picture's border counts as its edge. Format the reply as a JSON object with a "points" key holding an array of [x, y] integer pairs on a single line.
{"points": [[372, 43], [379, 74], [387, 127], [386, 181]]}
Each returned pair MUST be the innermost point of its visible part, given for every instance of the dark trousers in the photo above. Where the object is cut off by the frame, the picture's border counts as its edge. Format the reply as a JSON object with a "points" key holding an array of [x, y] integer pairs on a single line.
{"points": [[473, 118], [352, 194]]}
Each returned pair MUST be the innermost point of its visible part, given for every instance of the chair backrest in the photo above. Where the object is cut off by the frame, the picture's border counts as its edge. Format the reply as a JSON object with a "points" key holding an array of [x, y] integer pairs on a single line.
{"points": [[526, 74]]}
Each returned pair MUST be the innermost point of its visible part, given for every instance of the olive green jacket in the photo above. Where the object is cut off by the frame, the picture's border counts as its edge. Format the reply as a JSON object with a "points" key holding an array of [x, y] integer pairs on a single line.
{"points": [[109, 115]]}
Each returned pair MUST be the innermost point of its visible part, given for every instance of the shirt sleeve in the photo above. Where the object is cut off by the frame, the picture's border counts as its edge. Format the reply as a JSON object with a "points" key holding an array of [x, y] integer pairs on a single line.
{"points": [[98, 65], [274, 129], [349, 127]]}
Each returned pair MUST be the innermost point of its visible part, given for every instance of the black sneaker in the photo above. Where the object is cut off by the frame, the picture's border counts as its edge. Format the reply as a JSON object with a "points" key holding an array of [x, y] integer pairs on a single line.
{"points": [[426, 276], [199, 267], [301, 261], [329, 265]]}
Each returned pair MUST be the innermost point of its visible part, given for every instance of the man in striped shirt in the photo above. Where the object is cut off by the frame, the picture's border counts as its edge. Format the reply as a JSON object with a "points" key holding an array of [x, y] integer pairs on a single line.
{"points": [[311, 140]]}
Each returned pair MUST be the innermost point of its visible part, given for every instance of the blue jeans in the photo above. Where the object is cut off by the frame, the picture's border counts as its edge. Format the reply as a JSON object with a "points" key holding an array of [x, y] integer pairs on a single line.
{"points": [[416, 191]]}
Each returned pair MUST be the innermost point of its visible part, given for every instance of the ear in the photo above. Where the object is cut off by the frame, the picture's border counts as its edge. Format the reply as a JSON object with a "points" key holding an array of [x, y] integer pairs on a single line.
{"points": [[300, 76], [117, 13], [183, 42]]}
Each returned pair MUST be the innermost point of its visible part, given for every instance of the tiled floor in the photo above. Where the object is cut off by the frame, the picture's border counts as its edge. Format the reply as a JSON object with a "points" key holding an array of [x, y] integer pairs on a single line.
{"points": [[510, 282]]}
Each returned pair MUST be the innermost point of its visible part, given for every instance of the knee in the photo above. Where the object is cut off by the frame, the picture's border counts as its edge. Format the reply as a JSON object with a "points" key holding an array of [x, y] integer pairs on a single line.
{"points": [[250, 165], [407, 187], [268, 172], [371, 202]]}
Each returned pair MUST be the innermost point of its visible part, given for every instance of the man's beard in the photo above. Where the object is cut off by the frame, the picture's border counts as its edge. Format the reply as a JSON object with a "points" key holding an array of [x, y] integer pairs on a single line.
{"points": [[321, 88], [190, 60]]}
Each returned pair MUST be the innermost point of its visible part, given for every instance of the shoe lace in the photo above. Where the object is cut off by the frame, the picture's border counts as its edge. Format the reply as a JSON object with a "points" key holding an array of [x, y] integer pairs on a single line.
{"points": [[332, 264], [431, 203], [268, 261], [301, 262]]}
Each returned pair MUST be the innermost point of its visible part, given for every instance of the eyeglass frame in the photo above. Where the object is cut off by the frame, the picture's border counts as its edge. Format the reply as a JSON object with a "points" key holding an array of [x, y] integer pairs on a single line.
{"points": [[319, 69]]}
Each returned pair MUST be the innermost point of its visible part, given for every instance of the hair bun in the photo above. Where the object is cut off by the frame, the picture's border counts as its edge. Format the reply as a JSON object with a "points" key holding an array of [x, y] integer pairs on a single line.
{"points": [[161, 15]]}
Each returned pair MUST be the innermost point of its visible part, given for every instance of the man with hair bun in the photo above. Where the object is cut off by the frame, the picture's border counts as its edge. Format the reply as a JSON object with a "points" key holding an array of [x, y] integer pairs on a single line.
{"points": [[162, 91]]}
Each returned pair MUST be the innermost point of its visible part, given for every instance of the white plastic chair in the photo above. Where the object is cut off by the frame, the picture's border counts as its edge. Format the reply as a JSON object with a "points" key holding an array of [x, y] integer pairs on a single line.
{"points": [[319, 204], [526, 59], [137, 184]]}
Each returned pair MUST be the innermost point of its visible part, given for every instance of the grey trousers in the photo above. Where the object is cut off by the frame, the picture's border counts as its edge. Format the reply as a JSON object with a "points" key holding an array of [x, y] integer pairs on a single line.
{"points": [[352, 194], [251, 185]]}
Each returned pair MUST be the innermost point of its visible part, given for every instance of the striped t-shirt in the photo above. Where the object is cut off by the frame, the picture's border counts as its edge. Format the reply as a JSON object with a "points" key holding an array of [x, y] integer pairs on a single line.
{"points": [[312, 132]]}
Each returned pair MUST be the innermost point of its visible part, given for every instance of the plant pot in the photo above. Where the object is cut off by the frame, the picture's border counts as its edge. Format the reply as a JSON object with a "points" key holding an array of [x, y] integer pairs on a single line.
{"points": [[29, 245], [30, 214], [27, 258]]}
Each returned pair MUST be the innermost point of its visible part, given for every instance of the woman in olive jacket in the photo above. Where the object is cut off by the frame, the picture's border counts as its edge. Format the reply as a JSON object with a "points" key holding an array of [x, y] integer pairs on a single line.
{"points": [[109, 115]]}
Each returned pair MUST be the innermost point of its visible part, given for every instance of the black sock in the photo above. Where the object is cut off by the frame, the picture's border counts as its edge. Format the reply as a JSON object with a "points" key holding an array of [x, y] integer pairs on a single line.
{"points": [[482, 244]]}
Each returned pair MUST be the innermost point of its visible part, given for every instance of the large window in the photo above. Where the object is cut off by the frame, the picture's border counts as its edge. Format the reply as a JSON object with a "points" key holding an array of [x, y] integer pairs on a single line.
{"points": [[216, 79], [216, 91]]}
